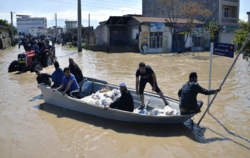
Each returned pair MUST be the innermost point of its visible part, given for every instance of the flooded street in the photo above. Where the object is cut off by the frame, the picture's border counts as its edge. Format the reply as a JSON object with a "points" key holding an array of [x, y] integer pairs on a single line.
{"points": [[29, 131]]}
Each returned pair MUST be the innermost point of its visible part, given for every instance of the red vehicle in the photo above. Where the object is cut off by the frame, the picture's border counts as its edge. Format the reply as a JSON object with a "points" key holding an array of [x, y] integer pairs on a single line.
{"points": [[27, 61]]}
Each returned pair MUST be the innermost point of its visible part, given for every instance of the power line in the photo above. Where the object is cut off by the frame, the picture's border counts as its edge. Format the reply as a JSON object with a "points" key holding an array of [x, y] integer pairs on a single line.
{"points": [[110, 2], [109, 5], [2, 8], [91, 5]]}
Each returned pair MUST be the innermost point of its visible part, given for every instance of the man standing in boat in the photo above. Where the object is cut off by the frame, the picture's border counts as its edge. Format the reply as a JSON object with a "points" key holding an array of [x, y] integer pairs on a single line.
{"points": [[125, 102], [188, 95], [69, 80], [147, 75], [75, 70]]}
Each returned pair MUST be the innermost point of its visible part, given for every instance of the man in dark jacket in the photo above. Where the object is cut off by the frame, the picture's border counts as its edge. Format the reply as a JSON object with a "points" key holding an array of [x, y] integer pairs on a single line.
{"points": [[57, 75], [25, 45], [188, 94], [125, 102], [43, 78], [75, 70]]}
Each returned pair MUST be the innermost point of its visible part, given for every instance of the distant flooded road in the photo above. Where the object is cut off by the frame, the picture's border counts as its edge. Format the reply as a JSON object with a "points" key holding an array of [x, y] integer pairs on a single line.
{"points": [[29, 131]]}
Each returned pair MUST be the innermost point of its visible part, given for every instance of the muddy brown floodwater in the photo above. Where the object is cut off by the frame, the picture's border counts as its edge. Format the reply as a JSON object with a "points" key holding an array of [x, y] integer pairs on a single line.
{"points": [[28, 131]]}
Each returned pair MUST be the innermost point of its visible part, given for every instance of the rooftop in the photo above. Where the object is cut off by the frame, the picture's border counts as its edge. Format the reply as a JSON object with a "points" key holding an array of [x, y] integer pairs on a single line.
{"points": [[154, 19], [4, 27], [70, 21]]}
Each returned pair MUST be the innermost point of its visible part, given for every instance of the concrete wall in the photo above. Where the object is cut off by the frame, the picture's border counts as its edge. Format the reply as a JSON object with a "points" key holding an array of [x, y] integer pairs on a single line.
{"points": [[151, 8], [101, 34], [90, 39], [4, 33], [5, 43]]}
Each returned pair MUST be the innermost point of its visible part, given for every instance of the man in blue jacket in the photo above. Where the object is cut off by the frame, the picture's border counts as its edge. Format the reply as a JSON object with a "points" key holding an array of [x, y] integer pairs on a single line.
{"points": [[69, 83], [57, 75], [188, 95]]}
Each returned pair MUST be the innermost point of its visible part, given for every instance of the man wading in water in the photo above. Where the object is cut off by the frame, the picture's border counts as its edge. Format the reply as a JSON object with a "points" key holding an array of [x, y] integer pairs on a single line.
{"points": [[147, 75]]}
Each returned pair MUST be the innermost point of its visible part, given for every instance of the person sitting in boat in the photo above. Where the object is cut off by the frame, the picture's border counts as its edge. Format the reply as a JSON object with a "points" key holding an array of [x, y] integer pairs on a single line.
{"points": [[188, 95], [69, 80], [147, 75], [125, 102], [57, 75], [75, 70], [43, 78]]}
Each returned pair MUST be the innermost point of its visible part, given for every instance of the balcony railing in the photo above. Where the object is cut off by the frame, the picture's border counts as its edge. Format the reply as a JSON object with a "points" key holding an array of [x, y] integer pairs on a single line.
{"points": [[229, 20], [232, 1]]}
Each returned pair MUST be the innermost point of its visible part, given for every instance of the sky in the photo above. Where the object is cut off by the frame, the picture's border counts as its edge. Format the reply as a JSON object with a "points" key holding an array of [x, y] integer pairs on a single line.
{"points": [[99, 10]]}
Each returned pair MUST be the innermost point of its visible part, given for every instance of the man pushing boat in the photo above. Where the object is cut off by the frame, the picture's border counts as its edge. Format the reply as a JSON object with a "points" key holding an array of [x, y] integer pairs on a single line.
{"points": [[147, 75]]}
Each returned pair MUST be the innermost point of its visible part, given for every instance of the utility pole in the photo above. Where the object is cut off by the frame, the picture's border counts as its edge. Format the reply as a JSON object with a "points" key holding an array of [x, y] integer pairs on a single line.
{"points": [[12, 32], [79, 26], [89, 20], [56, 24], [88, 31]]}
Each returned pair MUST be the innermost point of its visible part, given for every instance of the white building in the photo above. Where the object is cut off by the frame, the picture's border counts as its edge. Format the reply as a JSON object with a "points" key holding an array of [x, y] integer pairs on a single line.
{"points": [[70, 25], [25, 22], [36, 31]]}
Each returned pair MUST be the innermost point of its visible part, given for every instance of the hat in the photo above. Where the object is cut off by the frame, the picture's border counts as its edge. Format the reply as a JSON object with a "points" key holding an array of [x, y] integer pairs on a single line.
{"points": [[122, 84], [142, 64], [192, 75]]}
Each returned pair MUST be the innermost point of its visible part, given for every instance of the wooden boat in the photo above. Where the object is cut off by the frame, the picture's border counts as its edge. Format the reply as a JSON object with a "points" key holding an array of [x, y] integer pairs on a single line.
{"points": [[152, 101]]}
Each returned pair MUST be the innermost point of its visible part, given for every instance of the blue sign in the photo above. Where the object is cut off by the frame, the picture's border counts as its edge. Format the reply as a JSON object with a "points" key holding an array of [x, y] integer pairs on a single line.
{"points": [[157, 26], [224, 49], [179, 27]]}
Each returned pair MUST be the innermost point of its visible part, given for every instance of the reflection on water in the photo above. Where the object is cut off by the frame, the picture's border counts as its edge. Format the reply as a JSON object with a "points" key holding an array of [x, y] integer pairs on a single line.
{"points": [[31, 128]]}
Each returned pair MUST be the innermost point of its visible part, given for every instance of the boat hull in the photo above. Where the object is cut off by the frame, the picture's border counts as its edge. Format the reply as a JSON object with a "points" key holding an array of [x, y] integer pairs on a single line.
{"points": [[56, 98]]}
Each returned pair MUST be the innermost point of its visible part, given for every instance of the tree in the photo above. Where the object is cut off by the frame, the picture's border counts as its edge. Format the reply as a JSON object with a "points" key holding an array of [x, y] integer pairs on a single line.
{"points": [[5, 23], [207, 32], [75, 31], [189, 11], [240, 37]]}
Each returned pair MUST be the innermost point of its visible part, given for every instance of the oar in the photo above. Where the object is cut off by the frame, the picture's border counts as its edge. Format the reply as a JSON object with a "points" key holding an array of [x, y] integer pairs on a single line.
{"points": [[225, 77]]}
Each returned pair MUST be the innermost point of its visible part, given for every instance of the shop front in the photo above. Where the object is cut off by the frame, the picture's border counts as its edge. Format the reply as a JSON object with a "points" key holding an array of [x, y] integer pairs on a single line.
{"points": [[227, 34]]}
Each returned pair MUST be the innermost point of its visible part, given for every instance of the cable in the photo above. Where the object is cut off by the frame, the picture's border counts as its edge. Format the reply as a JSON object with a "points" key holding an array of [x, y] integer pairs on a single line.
{"points": [[109, 5], [89, 5], [2, 8], [110, 2]]}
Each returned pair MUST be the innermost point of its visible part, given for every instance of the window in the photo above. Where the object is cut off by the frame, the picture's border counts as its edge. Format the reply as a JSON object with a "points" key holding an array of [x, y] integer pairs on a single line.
{"points": [[225, 12], [196, 41], [155, 39]]}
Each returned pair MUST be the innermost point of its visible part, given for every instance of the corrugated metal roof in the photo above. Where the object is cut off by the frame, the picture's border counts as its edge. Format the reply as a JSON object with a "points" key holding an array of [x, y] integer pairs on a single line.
{"points": [[4, 27], [155, 19]]}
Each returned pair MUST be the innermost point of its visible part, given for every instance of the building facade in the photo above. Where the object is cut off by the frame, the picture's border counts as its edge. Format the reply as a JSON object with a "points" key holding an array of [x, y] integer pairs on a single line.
{"points": [[52, 31], [144, 34], [70, 25], [25, 22], [225, 12]]}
